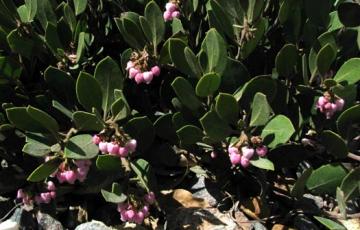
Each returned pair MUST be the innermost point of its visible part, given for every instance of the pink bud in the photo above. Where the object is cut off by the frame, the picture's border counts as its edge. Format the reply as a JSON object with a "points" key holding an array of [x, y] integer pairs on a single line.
{"points": [[61, 177], [83, 163], [321, 101], [150, 198], [333, 107], [131, 145], [121, 207], [148, 76], [20, 194], [175, 14], [70, 176], [51, 186], [96, 139], [139, 78], [53, 194], [124, 216], [340, 104], [156, 70], [233, 150], [81, 173], [123, 152], [130, 214], [112, 148], [133, 72], [145, 210], [129, 65], [245, 162], [247, 152], [261, 151], [103, 146], [167, 16], [235, 158], [46, 197], [171, 7], [327, 106], [213, 155], [139, 217]]}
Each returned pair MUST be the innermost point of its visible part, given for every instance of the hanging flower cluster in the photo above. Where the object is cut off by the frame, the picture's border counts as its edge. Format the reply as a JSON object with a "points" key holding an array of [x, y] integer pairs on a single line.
{"points": [[329, 104], [243, 154], [136, 212], [71, 171], [140, 69], [172, 11], [116, 146], [43, 197]]}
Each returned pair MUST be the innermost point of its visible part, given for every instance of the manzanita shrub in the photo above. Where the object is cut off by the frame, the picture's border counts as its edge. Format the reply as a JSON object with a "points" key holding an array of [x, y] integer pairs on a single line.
{"points": [[123, 99]]}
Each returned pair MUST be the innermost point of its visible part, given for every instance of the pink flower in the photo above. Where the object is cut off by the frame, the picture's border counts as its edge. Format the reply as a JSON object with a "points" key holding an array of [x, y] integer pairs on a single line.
{"points": [[340, 104], [113, 148], [171, 7], [175, 14], [53, 194], [123, 152], [96, 139], [213, 155], [321, 101], [139, 78], [131, 145], [46, 197], [247, 152], [70, 176], [233, 150], [51, 186], [129, 65], [103, 146], [149, 198], [145, 210], [61, 177], [261, 151], [156, 70], [130, 214], [235, 158], [245, 162], [133, 72], [20, 194], [148, 76], [167, 16], [123, 216], [139, 217]]}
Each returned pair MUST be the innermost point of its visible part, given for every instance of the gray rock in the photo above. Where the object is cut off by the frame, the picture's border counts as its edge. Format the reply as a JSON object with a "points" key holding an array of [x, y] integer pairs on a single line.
{"points": [[16, 216], [93, 225], [318, 200], [206, 190], [45, 221], [258, 226]]}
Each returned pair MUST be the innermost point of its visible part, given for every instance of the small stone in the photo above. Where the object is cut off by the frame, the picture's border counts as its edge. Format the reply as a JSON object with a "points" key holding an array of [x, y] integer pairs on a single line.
{"points": [[93, 225], [46, 221]]}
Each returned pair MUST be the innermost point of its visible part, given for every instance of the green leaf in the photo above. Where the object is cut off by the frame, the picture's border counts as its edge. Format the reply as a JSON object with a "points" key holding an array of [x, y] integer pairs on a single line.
{"points": [[214, 126], [261, 110], [332, 225], [70, 17], [250, 46], [61, 83], [177, 26], [57, 105], [286, 60], [277, 131], [341, 202], [141, 129], [193, 62], [80, 6], [19, 117], [80, 46], [110, 77], [349, 14], [20, 44], [165, 129], [350, 185], [52, 38], [127, 37], [142, 169], [334, 144], [208, 85], [81, 147], [45, 13], [325, 58], [120, 109], [189, 134], [9, 68], [299, 187], [44, 119], [109, 163], [153, 15], [215, 49], [112, 197], [319, 17], [349, 72], [44, 170], [177, 55], [262, 163], [89, 92], [36, 149], [326, 178], [87, 121], [227, 108], [185, 93], [132, 28], [31, 6], [348, 118], [254, 9], [222, 18]]}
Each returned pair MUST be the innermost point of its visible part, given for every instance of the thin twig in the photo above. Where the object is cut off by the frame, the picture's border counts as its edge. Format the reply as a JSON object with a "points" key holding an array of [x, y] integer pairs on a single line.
{"points": [[353, 156], [11, 210]]}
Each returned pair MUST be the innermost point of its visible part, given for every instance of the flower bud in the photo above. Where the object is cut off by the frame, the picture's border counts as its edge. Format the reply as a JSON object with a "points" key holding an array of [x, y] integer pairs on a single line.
{"points": [[167, 16], [133, 72], [171, 7], [123, 152], [175, 14], [261, 151], [149, 198], [156, 70], [233, 150], [247, 152], [53, 194], [213, 155], [245, 162], [129, 65], [139, 217], [130, 214], [96, 139], [131, 145], [70, 176], [51, 186], [20, 194], [103, 146], [340, 104], [112, 148], [46, 197], [235, 158], [139, 78], [148, 76]]}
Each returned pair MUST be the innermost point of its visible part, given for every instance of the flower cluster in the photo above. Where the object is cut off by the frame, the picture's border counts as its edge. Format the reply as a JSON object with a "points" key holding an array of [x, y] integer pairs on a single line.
{"points": [[130, 213], [142, 76], [243, 155], [43, 197], [328, 105], [115, 148], [68, 174], [172, 11]]}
